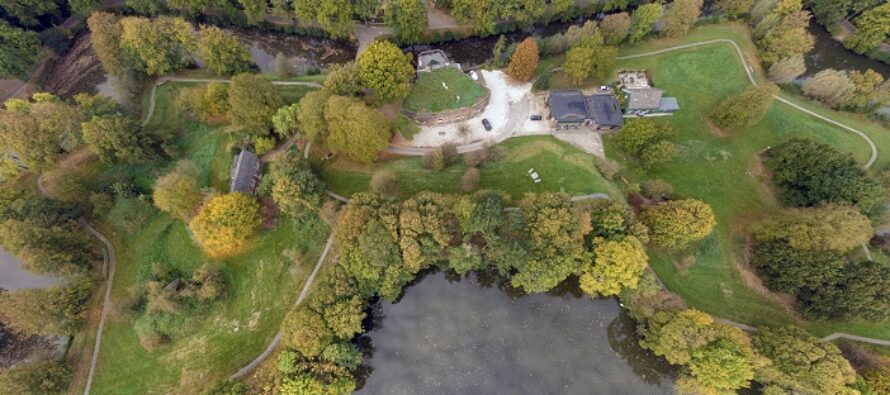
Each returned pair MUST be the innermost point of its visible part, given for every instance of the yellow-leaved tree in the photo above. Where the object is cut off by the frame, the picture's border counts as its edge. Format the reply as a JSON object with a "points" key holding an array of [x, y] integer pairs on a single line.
{"points": [[677, 223], [226, 223], [617, 265]]}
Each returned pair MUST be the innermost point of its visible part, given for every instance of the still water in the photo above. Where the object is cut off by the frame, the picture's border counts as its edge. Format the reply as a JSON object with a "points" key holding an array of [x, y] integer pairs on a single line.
{"points": [[460, 337], [829, 53], [13, 276]]}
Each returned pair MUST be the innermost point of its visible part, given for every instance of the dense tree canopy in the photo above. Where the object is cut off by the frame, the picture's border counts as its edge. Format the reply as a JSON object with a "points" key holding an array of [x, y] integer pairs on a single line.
{"points": [[810, 173], [26, 12], [160, 46], [253, 101], [178, 192], [386, 70], [802, 363], [407, 19], [222, 52], [651, 143], [873, 27], [643, 21], [355, 128], [19, 51], [295, 188], [825, 228], [343, 80], [36, 378], [781, 30], [675, 224], [745, 108], [680, 17], [57, 310], [555, 234], [310, 115], [615, 28], [226, 223], [334, 16], [616, 265], [120, 139]]}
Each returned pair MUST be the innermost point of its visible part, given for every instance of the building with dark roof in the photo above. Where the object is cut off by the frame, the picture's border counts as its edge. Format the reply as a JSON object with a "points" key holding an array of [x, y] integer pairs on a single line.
{"points": [[572, 108], [245, 173]]}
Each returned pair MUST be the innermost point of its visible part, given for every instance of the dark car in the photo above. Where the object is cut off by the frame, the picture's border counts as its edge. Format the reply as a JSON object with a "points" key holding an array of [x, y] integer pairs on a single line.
{"points": [[536, 118], [486, 124]]}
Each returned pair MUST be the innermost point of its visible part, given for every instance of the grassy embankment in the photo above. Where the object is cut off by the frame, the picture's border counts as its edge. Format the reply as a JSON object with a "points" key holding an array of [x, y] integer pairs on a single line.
{"points": [[262, 283], [723, 170], [430, 95], [562, 167]]}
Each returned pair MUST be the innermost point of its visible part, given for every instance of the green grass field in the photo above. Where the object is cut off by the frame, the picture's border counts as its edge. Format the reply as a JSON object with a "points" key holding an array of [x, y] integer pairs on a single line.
{"points": [[723, 172], [262, 283], [562, 167], [428, 94]]}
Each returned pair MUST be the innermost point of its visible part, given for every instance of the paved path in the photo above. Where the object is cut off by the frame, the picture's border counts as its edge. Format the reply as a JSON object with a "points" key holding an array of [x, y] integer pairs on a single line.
{"points": [[164, 80], [750, 72], [366, 34], [109, 259], [277, 339]]}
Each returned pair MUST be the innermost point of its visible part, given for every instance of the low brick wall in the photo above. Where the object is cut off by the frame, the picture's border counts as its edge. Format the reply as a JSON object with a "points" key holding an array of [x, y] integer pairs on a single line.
{"points": [[449, 116]]}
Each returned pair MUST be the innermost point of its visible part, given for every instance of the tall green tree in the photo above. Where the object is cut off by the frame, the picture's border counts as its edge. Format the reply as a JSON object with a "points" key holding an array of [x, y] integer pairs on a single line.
{"points": [[254, 10], [343, 80], [386, 70], [355, 128], [19, 51], [178, 191], [643, 21], [555, 236], [802, 363], [253, 101], [744, 109], [26, 12], [295, 188], [675, 224], [407, 19], [873, 27], [161, 45], [118, 139], [825, 228], [615, 28], [311, 115], [222, 52], [334, 16]]}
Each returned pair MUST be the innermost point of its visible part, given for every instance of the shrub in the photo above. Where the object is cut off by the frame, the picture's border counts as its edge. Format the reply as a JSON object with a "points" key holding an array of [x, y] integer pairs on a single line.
{"points": [[477, 158], [433, 160], [470, 180], [449, 153], [658, 190], [263, 144]]}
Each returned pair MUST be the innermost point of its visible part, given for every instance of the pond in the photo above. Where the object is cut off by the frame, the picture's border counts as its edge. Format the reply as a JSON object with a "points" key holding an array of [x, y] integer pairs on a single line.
{"points": [[13, 276], [469, 336]]}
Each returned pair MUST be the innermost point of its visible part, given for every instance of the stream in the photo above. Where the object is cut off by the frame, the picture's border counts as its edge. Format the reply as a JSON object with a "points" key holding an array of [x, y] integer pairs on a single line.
{"points": [[475, 336]]}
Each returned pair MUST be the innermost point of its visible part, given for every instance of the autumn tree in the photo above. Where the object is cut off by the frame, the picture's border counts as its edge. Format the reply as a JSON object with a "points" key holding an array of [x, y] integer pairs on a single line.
{"points": [[295, 188], [617, 264], [407, 19], [829, 86], [160, 46], [872, 28], [311, 115], [782, 32], [801, 362], [643, 21], [285, 122], [105, 33], [745, 108], [717, 356], [386, 70], [787, 70], [826, 228], [355, 128], [253, 100], [675, 224], [734, 9], [615, 28], [343, 80], [226, 223], [869, 91], [207, 103], [178, 192], [680, 17], [19, 51], [21, 133], [524, 61], [222, 52]]}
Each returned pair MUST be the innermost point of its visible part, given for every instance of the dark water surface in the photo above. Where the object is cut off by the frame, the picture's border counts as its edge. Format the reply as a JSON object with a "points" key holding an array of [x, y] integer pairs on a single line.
{"points": [[13, 276], [447, 337], [829, 53]]}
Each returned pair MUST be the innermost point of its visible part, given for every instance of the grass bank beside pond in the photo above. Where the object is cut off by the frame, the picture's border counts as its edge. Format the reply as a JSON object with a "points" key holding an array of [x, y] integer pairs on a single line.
{"points": [[443, 89], [562, 167], [724, 171]]}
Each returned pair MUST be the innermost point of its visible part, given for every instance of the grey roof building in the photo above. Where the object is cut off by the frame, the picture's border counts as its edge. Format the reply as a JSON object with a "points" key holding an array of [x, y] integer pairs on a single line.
{"points": [[572, 107], [643, 99], [245, 173]]}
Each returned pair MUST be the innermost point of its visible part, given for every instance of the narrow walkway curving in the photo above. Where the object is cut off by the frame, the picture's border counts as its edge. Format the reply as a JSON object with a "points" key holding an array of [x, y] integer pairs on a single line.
{"points": [[277, 339], [750, 73], [109, 262]]}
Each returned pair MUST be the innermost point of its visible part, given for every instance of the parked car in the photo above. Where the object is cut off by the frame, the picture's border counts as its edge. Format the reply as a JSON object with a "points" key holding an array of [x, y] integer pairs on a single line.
{"points": [[486, 124], [536, 117]]}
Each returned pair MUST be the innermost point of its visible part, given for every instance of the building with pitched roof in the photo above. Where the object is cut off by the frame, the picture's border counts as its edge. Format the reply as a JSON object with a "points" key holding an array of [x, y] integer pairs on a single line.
{"points": [[245, 173], [572, 108]]}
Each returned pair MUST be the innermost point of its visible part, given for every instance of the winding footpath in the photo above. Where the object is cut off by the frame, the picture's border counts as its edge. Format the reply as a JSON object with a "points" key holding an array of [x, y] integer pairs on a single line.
{"points": [[109, 262]]}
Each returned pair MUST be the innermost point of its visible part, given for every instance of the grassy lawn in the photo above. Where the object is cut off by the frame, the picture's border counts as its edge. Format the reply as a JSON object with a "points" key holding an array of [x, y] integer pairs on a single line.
{"points": [[262, 283], [428, 94], [722, 171], [562, 167]]}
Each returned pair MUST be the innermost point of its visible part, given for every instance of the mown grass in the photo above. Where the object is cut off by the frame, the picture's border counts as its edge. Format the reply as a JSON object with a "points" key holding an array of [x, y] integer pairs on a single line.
{"points": [[722, 172], [562, 167], [262, 283], [429, 95]]}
